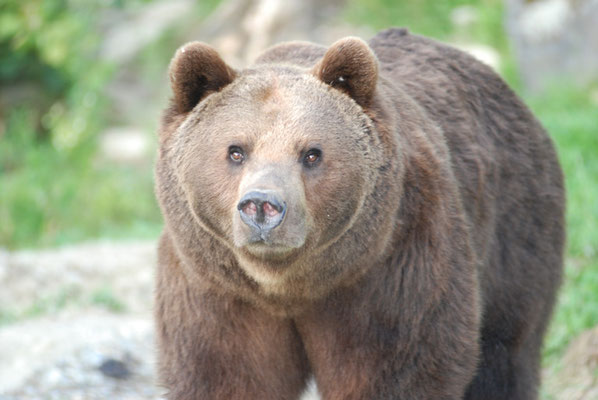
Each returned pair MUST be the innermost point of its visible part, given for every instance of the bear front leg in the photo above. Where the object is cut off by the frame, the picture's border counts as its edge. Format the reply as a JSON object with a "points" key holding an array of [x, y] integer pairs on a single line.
{"points": [[377, 344], [214, 347]]}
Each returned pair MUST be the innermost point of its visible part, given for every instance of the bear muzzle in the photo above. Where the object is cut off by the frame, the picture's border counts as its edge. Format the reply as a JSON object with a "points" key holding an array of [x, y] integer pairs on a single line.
{"points": [[262, 211]]}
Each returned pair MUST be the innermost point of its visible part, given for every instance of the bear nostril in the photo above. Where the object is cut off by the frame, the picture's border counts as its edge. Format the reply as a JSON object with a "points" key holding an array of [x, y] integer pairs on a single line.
{"points": [[270, 210], [249, 208]]}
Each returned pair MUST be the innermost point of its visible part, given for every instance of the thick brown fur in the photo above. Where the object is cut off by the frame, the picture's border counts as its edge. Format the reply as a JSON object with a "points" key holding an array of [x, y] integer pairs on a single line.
{"points": [[418, 258]]}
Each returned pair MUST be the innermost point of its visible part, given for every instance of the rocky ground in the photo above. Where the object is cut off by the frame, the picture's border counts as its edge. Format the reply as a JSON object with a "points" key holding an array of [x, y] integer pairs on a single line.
{"points": [[81, 324]]}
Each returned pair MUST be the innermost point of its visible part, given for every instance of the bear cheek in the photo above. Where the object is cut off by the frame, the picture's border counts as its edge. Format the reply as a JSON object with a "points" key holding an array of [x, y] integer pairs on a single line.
{"points": [[210, 195], [294, 230], [335, 203]]}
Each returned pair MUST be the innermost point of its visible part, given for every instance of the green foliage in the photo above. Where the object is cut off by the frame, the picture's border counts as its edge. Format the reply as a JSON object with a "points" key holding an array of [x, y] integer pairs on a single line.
{"points": [[53, 105], [430, 18], [53, 190], [434, 19], [50, 197], [426, 17], [48, 60], [572, 118]]}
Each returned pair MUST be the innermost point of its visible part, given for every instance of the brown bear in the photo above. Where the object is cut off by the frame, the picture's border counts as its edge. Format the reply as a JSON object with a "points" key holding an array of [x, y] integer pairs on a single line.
{"points": [[386, 217]]}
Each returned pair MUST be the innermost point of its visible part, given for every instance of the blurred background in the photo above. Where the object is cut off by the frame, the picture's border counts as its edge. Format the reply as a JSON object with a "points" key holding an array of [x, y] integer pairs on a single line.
{"points": [[82, 86]]}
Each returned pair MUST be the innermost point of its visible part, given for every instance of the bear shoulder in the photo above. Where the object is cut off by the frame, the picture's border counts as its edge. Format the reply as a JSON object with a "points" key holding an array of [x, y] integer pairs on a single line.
{"points": [[425, 60]]}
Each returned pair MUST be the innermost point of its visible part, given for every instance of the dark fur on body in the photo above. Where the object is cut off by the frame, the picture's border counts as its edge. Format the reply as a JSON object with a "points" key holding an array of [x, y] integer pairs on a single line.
{"points": [[421, 259]]}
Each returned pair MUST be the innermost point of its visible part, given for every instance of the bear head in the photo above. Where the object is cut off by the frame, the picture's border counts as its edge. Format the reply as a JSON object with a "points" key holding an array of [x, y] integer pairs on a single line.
{"points": [[278, 163]]}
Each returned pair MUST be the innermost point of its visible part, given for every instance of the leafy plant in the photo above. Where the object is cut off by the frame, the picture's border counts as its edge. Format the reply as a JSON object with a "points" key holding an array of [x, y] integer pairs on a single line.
{"points": [[52, 106]]}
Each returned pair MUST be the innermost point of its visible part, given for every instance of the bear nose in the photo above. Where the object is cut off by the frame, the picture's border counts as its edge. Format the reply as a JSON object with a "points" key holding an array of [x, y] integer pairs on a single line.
{"points": [[262, 211]]}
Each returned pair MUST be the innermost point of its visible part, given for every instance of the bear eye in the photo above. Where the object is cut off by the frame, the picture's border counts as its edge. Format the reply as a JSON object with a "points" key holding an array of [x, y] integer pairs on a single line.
{"points": [[236, 154], [312, 157]]}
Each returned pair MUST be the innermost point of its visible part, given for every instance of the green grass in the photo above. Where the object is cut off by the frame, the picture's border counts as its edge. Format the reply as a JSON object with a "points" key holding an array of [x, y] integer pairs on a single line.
{"points": [[67, 297], [571, 117], [572, 120], [105, 297]]}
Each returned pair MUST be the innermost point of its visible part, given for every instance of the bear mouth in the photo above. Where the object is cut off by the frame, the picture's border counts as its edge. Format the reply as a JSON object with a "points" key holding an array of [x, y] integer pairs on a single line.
{"points": [[277, 255], [267, 247], [263, 239]]}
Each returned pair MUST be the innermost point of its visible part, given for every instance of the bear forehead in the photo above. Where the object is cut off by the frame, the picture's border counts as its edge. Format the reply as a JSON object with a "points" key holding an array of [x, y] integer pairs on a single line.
{"points": [[281, 94], [281, 86]]}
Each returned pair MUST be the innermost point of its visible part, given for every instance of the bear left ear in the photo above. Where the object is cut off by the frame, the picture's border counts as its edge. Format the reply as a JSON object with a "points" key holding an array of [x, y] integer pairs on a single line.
{"points": [[350, 66], [196, 70]]}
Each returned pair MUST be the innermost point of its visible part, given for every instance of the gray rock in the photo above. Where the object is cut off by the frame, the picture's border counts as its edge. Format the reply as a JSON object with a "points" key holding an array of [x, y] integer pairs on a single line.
{"points": [[115, 369], [554, 40]]}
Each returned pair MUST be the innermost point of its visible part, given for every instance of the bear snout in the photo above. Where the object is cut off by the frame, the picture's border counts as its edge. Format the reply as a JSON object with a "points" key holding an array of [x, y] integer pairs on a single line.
{"points": [[262, 211]]}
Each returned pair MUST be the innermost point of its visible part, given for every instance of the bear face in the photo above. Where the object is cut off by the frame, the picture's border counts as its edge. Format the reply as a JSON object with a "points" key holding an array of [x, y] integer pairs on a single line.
{"points": [[276, 162]]}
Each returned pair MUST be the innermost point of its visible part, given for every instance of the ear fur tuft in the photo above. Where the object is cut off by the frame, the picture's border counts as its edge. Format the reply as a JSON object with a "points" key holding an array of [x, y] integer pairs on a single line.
{"points": [[196, 71], [350, 66]]}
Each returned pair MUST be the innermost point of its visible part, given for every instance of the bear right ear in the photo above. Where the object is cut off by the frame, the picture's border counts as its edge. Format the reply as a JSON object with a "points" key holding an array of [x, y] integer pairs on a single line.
{"points": [[196, 71], [350, 66]]}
